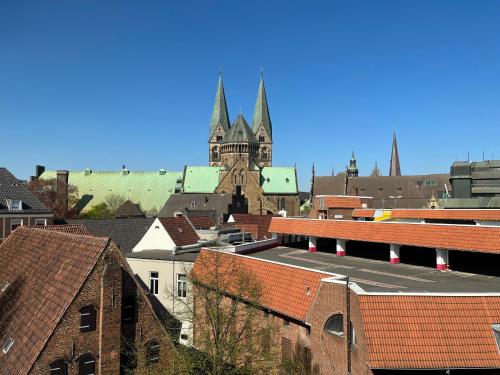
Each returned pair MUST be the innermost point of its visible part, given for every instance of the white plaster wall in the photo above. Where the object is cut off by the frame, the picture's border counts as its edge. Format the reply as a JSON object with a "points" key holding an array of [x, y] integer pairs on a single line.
{"points": [[156, 238]]}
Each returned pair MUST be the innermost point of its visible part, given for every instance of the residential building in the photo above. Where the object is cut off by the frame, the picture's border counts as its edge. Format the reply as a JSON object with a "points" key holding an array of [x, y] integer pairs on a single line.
{"points": [[258, 225], [19, 206], [337, 206], [129, 209], [71, 305]]}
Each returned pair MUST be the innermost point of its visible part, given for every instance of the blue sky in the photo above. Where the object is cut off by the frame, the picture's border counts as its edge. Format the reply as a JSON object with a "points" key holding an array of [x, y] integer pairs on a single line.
{"points": [[103, 83]]}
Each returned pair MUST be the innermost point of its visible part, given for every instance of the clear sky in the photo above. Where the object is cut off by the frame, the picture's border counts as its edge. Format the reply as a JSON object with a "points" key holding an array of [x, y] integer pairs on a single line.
{"points": [[101, 83]]}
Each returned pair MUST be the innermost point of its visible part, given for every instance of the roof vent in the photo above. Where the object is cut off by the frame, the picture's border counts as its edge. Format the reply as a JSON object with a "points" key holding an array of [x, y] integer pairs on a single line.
{"points": [[7, 345], [162, 171], [4, 286], [88, 171], [125, 171], [287, 179]]}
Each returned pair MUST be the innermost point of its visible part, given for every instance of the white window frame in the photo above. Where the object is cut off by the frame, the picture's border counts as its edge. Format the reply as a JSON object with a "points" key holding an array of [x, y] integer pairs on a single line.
{"points": [[181, 285], [19, 207], [21, 221], [41, 225], [154, 282]]}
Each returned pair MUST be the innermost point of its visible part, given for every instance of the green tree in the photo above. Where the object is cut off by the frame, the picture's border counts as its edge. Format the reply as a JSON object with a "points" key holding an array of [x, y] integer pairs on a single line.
{"points": [[113, 201], [99, 211]]}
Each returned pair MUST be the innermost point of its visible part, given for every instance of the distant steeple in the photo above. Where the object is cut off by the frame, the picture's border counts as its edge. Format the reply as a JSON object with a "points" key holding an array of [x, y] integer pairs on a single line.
{"points": [[219, 114], [352, 171], [394, 169], [261, 111], [376, 171]]}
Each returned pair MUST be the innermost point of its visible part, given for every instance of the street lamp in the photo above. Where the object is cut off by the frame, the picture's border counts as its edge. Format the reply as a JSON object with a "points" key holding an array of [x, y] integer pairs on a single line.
{"points": [[393, 197]]}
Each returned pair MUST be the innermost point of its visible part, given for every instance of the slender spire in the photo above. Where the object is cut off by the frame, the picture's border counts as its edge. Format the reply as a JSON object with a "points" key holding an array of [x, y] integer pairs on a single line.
{"points": [[219, 114], [394, 169], [261, 111]]}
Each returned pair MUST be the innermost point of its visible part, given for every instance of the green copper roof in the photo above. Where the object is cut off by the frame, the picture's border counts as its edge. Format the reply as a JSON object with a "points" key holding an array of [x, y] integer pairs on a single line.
{"points": [[261, 112], [240, 132], [278, 180], [219, 114], [150, 189], [201, 179]]}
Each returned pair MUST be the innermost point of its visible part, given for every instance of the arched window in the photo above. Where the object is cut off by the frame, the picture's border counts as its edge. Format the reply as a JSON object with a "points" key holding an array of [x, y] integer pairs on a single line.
{"points": [[335, 325], [242, 177], [87, 319], [59, 368], [215, 153], [264, 153], [152, 352], [235, 177], [86, 365], [282, 204], [261, 138], [219, 138]]}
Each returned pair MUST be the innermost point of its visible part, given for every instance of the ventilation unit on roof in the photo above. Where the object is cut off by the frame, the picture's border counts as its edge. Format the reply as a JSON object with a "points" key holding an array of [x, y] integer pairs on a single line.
{"points": [[4, 286], [7, 345]]}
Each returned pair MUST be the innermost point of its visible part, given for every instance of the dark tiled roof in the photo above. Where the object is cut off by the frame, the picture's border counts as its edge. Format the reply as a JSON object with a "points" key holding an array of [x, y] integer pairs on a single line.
{"points": [[240, 132], [129, 209], [125, 232], [201, 222], [45, 270], [180, 230], [67, 228], [12, 188], [213, 205]]}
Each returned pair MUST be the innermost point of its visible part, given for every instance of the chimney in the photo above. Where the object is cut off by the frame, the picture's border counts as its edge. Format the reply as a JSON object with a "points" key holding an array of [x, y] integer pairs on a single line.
{"points": [[39, 169], [62, 192]]}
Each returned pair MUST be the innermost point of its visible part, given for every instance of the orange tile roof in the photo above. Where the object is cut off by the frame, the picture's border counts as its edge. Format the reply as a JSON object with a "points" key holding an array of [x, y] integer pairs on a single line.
{"points": [[67, 228], [286, 289], [484, 239], [449, 214], [338, 201], [363, 212], [425, 332]]}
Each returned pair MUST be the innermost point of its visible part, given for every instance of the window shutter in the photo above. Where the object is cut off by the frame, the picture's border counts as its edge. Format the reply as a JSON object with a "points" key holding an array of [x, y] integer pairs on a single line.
{"points": [[152, 352], [129, 307], [88, 316], [86, 365], [59, 368]]}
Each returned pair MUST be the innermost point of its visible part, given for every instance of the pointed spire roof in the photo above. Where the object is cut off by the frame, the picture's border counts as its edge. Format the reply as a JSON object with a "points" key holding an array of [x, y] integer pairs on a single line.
{"points": [[395, 168], [261, 111], [219, 114], [240, 132]]}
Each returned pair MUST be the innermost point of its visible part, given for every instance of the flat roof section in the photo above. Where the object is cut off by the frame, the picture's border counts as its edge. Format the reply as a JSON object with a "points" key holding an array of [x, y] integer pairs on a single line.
{"points": [[383, 277]]}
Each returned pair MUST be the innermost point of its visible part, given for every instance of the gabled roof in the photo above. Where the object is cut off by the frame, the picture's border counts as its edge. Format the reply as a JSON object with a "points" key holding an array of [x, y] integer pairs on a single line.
{"points": [[279, 180], [286, 289], [261, 115], [363, 212], [125, 232], [129, 209], [150, 189], [201, 179], [219, 114], [12, 188], [428, 332], [45, 270], [240, 132], [450, 214], [337, 201], [180, 230], [485, 239], [213, 205], [201, 222]]}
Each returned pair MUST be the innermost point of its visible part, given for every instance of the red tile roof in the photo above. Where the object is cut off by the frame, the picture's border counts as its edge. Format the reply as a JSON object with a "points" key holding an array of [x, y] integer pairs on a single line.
{"points": [[425, 332], [262, 222], [180, 230], [484, 239], [201, 222], [459, 214], [67, 228], [45, 270], [286, 289], [363, 212], [337, 201]]}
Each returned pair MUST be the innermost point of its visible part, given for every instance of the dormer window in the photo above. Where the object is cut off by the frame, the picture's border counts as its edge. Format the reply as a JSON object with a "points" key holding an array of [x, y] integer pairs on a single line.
{"points": [[7, 345], [14, 204]]}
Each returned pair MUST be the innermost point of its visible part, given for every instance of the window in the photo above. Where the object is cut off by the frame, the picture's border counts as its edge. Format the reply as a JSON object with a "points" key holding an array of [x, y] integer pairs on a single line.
{"points": [[335, 325], [264, 153], [16, 205], [215, 153], [129, 307], [181, 285], [307, 360], [40, 222], [152, 352], [153, 282], [286, 349], [219, 138], [352, 334], [87, 319], [86, 365], [7, 345], [261, 138], [14, 223], [59, 368]]}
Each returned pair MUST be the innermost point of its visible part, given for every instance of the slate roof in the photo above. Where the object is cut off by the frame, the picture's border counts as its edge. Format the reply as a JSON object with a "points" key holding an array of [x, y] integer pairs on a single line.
{"points": [[485, 239], [427, 332], [180, 230], [240, 132], [219, 114], [200, 179], [261, 115], [12, 188], [45, 270], [150, 189], [279, 180], [125, 232], [456, 214], [213, 205], [129, 209], [292, 296]]}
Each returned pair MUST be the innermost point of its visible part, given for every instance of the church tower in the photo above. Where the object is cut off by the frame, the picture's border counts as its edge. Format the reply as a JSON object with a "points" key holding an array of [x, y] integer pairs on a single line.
{"points": [[395, 168], [262, 127], [219, 125]]}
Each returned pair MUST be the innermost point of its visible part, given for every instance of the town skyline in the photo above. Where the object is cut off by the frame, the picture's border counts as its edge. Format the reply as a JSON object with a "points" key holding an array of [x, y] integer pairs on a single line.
{"points": [[364, 71]]}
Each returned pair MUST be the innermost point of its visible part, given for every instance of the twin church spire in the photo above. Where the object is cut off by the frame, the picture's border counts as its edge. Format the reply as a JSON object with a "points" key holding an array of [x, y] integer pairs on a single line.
{"points": [[221, 132]]}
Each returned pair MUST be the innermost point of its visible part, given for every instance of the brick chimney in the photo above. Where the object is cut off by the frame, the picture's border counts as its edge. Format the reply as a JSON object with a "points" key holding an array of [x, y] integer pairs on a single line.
{"points": [[62, 191]]}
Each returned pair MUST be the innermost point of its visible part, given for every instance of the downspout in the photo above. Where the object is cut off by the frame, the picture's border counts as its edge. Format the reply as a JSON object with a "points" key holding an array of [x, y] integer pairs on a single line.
{"points": [[348, 317]]}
